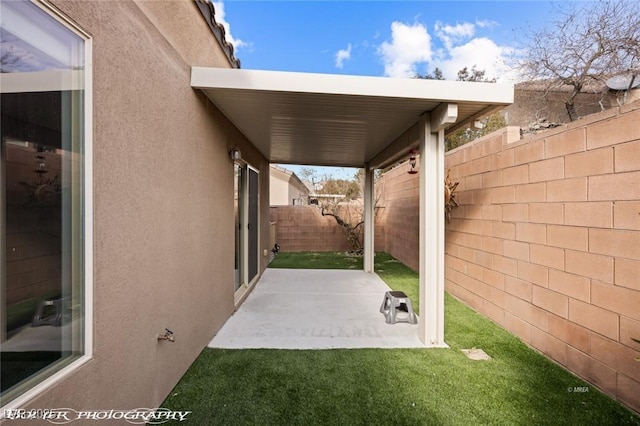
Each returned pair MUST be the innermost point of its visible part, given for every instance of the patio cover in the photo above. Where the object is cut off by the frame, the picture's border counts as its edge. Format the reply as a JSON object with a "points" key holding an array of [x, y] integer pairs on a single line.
{"points": [[335, 120], [365, 122]]}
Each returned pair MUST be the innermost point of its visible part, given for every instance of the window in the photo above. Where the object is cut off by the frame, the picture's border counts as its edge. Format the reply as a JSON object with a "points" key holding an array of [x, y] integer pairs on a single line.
{"points": [[45, 228]]}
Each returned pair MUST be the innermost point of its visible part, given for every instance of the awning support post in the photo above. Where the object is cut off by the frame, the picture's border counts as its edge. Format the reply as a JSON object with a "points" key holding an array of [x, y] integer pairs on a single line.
{"points": [[431, 177], [369, 219]]}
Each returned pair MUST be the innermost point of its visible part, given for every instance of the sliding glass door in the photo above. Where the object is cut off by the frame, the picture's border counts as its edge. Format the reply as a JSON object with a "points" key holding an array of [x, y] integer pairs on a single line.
{"points": [[252, 225], [238, 207], [246, 222]]}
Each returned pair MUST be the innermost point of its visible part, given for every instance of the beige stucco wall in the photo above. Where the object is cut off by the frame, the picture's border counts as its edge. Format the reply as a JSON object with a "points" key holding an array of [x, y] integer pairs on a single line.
{"points": [[296, 194], [533, 104], [163, 203], [284, 188], [278, 189]]}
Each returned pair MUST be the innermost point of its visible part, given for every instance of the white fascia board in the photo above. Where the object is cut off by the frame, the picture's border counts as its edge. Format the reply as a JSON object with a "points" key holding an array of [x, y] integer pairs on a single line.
{"points": [[408, 88]]}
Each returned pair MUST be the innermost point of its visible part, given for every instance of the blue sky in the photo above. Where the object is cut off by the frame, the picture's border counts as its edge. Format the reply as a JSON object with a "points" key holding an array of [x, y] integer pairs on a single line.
{"points": [[379, 38]]}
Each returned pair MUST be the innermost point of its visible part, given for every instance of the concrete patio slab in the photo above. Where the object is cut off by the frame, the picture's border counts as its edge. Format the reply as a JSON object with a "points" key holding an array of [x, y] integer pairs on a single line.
{"points": [[315, 309]]}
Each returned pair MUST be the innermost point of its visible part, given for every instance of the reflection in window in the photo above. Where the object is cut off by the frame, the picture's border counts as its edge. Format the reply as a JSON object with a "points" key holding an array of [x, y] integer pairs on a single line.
{"points": [[41, 325], [30, 40]]}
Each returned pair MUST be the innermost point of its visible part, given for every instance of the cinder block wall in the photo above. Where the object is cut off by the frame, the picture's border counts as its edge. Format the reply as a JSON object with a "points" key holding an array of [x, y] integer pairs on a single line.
{"points": [[546, 242], [401, 215], [303, 228]]}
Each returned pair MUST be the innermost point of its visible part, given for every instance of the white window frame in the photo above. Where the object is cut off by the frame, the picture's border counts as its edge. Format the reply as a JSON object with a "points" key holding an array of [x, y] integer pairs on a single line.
{"points": [[46, 384]]}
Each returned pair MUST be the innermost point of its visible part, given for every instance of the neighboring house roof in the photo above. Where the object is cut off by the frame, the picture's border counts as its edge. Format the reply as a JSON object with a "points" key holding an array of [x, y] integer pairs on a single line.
{"points": [[329, 195], [314, 187], [209, 13], [310, 186], [318, 186], [556, 86], [589, 86]]}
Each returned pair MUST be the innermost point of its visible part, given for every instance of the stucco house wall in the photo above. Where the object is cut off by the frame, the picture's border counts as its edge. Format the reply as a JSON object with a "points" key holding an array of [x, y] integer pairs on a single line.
{"points": [[278, 190], [163, 203], [285, 189], [532, 103]]}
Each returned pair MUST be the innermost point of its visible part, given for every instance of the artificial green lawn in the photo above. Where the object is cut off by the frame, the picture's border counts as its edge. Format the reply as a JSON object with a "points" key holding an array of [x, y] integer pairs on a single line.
{"points": [[316, 260], [517, 386]]}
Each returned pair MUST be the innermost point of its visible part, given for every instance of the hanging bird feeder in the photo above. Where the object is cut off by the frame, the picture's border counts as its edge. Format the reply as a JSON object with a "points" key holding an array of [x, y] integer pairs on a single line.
{"points": [[412, 161]]}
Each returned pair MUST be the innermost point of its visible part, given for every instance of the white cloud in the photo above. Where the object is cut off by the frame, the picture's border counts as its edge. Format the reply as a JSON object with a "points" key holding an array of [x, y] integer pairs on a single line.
{"points": [[451, 34], [343, 55], [453, 48], [220, 19], [410, 45], [465, 29], [481, 52], [486, 23]]}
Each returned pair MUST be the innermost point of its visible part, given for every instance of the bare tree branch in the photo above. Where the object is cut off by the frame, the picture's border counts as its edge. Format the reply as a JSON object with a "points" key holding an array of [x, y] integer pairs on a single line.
{"points": [[584, 43]]}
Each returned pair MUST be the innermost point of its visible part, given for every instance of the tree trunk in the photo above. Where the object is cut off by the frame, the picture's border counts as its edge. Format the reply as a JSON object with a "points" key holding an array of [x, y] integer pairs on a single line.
{"points": [[571, 110], [569, 103], [351, 231]]}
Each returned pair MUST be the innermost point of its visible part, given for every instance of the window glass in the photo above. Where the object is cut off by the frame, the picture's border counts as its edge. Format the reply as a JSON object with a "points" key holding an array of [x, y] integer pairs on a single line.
{"points": [[42, 136]]}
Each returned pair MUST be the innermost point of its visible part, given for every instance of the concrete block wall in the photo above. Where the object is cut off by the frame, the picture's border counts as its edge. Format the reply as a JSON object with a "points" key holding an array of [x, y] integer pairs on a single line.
{"points": [[303, 228], [401, 215], [546, 242]]}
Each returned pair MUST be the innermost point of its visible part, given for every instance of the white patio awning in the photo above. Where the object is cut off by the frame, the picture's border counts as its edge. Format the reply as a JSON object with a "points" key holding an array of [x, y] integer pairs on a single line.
{"points": [[368, 122], [335, 120]]}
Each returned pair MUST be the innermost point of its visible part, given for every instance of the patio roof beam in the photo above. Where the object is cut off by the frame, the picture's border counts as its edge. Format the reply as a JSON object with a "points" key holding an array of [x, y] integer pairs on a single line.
{"points": [[477, 116], [397, 149], [443, 116]]}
